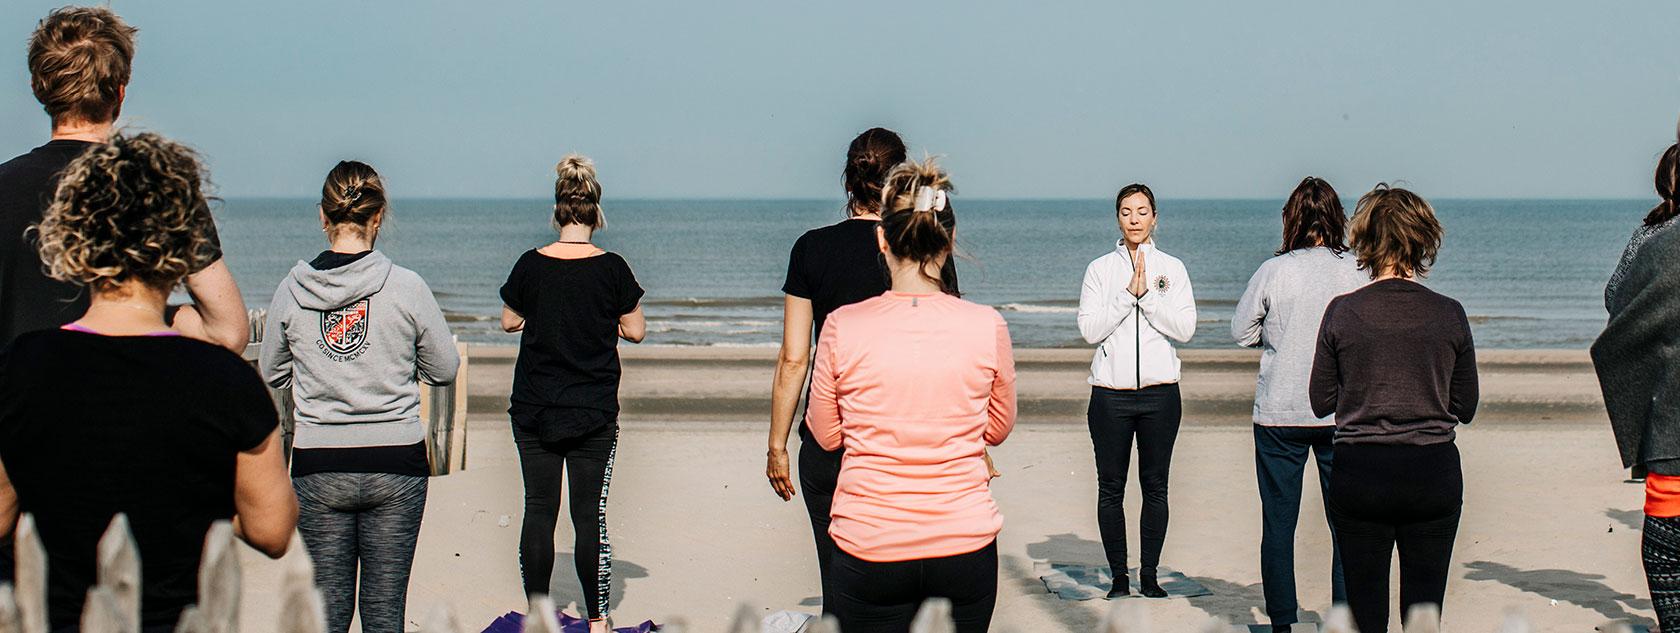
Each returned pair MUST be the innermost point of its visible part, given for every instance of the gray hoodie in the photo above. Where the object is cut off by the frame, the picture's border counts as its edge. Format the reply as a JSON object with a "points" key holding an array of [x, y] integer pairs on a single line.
{"points": [[353, 342]]}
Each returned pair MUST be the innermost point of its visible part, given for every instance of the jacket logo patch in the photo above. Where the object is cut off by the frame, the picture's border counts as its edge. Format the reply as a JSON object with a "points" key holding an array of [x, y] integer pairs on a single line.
{"points": [[344, 332], [1161, 283]]}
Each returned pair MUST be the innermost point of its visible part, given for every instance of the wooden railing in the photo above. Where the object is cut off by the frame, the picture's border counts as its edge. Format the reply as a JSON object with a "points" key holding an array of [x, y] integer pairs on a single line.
{"points": [[113, 604]]}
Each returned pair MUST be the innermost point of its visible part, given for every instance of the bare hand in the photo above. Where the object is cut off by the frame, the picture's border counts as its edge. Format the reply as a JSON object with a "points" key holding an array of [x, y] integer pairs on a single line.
{"points": [[781, 478], [991, 470], [1140, 283]]}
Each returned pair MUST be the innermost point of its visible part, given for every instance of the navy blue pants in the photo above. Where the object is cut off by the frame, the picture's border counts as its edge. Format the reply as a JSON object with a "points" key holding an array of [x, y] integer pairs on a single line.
{"points": [[1280, 461]]}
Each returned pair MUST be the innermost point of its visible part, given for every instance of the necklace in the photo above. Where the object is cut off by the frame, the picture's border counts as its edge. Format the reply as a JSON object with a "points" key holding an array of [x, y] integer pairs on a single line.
{"points": [[571, 242]]}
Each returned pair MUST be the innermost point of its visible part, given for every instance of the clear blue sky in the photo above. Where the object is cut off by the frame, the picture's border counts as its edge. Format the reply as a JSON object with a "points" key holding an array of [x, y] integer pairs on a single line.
{"points": [[758, 99]]}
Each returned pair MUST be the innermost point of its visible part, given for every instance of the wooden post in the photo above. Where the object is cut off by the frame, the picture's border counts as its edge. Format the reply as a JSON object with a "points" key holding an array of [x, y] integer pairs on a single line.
{"points": [[441, 620], [1423, 618], [300, 600], [746, 619], [458, 434], [1339, 620], [934, 617], [219, 582], [541, 617], [119, 573], [9, 622], [824, 624], [1124, 617], [103, 614], [31, 577]]}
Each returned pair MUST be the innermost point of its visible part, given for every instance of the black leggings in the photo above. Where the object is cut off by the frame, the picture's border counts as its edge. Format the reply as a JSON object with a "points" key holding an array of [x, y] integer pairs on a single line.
{"points": [[819, 472], [1152, 414], [884, 597], [1382, 496], [590, 460], [1661, 551]]}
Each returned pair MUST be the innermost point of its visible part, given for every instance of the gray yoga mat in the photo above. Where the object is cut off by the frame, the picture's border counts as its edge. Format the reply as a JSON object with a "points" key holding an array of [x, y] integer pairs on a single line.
{"points": [[1079, 581]]}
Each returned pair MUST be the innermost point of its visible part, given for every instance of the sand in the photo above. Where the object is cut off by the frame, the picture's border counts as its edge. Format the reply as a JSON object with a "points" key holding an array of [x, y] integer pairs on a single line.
{"points": [[697, 532]]}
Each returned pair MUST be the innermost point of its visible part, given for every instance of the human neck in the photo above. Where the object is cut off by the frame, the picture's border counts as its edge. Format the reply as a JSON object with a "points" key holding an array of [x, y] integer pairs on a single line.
{"points": [[915, 280], [352, 242], [130, 309], [863, 214], [1393, 273], [84, 131], [576, 233]]}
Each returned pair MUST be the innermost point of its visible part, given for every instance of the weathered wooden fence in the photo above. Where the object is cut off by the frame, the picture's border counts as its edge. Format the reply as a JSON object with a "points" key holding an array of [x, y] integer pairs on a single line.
{"points": [[113, 604]]}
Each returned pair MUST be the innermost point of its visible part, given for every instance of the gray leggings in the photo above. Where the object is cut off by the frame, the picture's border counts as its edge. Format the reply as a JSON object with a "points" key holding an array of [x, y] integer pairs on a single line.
{"points": [[368, 518]]}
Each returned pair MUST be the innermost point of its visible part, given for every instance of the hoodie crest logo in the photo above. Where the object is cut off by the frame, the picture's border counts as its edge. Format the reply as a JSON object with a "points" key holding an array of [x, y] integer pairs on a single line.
{"points": [[344, 331], [1162, 283]]}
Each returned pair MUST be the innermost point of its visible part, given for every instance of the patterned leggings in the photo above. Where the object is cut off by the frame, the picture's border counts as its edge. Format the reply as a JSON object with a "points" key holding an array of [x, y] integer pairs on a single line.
{"points": [[586, 463], [1662, 569]]}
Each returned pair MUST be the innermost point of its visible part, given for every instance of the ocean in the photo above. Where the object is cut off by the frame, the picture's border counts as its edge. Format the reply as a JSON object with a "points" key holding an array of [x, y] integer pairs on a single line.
{"points": [[1530, 273]]}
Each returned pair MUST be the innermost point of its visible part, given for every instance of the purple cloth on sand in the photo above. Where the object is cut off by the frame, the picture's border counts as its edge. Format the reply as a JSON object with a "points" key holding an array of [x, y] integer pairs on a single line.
{"points": [[514, 622]]}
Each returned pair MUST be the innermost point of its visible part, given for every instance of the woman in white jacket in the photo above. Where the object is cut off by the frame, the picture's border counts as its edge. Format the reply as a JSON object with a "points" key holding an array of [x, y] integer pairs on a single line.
{"points": [[1135, 303]]}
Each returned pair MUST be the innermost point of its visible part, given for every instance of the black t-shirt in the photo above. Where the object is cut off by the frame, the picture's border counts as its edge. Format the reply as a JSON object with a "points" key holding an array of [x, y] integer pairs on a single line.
{"points": [[29, 300], [835, 266], [565, 382], [150, 426]]}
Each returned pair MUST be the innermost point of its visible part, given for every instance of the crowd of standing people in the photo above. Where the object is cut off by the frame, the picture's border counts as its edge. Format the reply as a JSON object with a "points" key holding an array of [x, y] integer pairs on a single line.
{"points": [[1364, 371]]}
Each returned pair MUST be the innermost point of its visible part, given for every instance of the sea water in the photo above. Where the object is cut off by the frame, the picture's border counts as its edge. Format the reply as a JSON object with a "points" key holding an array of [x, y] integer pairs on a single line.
{"points": [[1530, 273]]}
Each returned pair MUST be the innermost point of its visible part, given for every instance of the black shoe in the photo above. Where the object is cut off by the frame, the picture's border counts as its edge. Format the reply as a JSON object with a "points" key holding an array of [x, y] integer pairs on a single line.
{"points": [[1122, 587], [1148, 586]]}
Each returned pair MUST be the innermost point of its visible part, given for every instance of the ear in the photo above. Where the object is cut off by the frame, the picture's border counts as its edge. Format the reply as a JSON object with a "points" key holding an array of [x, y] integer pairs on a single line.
{"points": [[323, 213], [881, 239]]}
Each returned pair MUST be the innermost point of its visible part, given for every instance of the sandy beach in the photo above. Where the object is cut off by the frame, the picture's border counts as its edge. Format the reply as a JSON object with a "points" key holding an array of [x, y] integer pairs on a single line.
{"points": [[1549, 525]]}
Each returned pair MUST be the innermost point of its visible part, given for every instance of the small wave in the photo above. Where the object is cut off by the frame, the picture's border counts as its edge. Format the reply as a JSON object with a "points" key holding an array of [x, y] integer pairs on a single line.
{"points": [[460, 317], [1476, 319], [716, 302], [1033, 308]]}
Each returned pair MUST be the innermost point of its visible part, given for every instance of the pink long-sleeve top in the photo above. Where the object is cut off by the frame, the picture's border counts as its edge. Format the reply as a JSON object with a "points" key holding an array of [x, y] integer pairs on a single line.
{"points": [[914, 387]]}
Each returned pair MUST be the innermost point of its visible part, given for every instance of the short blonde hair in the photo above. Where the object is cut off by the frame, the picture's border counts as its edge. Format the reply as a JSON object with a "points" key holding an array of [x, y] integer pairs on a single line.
{"points": [[132, 209], [1395, 230], [79, 62]]}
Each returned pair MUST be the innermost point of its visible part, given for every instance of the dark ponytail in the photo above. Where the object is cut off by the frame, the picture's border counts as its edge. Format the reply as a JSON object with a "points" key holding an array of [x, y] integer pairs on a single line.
{"points": [[917, 236], [871, 155], [353, 195], [1667, 180]]}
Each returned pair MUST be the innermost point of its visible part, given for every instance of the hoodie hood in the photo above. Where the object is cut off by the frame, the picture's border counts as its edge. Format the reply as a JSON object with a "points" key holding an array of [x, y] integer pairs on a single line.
{"points": [[337, 287]]}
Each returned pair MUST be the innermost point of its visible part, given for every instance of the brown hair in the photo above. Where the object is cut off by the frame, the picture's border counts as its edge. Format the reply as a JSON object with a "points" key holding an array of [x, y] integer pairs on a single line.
{"points": [[79, 61], [920, 237], [353, 196], [1395, 230], [1131, 189], [871, 155], [1313, 216], [132, 209], [1667, 179], [577, 194]]}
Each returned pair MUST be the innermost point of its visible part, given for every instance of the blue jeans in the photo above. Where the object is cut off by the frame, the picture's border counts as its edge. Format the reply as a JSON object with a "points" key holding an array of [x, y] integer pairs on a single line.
{"points": [[366, 520], [1280, 460]]}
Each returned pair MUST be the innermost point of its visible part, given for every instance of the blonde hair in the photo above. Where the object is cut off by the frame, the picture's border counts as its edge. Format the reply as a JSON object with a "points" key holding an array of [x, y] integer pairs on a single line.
{"points": [[577, 194], [132, 209], [1394, 230], [917, 236], [79, 62], [352, 196]]}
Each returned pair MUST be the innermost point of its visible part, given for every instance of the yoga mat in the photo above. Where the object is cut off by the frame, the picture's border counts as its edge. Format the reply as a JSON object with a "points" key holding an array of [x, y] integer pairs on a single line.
{"points": [[1078, 581], [513, 622]]}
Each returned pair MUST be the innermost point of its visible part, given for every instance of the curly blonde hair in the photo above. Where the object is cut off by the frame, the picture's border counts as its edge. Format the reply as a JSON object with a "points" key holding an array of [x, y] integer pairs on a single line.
{"points": [[132, 209]]}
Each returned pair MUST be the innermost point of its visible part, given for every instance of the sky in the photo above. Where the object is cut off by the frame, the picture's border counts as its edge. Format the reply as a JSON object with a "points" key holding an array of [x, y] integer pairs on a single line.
{"points": [[758, 99]]}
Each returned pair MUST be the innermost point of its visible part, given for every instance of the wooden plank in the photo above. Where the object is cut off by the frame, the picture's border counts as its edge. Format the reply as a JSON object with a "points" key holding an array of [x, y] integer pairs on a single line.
{"points": [[219, 581], [541, 618], [31, 576], [934, 617], [103, 614], [119, 573]]}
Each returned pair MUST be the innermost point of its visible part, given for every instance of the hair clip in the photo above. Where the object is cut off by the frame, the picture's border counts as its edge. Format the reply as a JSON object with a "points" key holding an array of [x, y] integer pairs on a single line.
{"points": [[930, 199], [352, 193]]}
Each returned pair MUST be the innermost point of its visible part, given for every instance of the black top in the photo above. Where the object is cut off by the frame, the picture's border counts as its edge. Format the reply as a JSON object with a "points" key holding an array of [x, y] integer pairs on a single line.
{"points": [[1396, 364], [29, 300], [396, 460], [568, 351], [149, 426], [836, 266]]}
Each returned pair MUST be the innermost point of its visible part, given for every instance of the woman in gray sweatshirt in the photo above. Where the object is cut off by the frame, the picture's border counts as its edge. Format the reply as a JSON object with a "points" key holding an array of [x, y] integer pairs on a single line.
{"points": [[353, 335], [1280, 312]]}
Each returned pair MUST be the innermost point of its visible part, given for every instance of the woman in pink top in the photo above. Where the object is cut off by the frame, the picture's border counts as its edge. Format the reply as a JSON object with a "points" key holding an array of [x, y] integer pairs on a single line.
{"points": [[914, 384]]}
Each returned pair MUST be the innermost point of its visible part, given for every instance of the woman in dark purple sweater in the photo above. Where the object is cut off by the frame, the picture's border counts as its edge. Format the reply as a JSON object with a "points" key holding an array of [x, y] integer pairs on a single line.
{"points": [[1396, 365]]}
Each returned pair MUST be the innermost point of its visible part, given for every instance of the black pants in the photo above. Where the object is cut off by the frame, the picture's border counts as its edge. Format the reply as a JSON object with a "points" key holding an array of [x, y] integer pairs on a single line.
{"points": [[883, 597], [1152, 415], [819, 472], [589, 458], [1385, 496], [1280, 462], [1661, 551]]}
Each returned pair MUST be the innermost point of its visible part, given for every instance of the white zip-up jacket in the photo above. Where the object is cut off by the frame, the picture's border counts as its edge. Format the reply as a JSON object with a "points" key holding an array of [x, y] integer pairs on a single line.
{"points": [[1135, 335]]}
